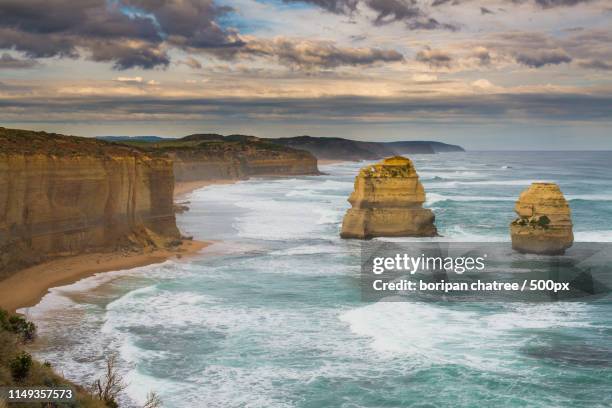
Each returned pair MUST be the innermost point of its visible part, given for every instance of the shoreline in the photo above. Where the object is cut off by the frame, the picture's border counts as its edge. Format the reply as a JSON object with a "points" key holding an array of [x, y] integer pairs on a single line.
{"points": [[182, 188], [27, 287], [324, 162]]}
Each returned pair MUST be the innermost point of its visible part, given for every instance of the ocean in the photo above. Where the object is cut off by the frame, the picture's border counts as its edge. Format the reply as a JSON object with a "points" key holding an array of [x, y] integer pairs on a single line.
{"points": [[271, 314]]}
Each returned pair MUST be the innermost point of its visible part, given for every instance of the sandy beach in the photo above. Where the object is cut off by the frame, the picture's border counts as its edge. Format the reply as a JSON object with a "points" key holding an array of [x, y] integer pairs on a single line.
{"points": [[28, 286], [183, 188]]}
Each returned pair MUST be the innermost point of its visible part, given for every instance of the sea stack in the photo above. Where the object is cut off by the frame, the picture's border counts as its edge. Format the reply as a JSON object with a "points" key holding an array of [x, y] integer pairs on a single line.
{"points": [[544, 224], [388, 202]]}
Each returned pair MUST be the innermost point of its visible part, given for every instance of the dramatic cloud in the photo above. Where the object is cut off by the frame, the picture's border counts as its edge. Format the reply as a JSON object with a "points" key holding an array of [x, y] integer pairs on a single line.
{"points": [[394, 10], [386, 12], [434, 58], [310, 55], [129, 33], [7, 61]]}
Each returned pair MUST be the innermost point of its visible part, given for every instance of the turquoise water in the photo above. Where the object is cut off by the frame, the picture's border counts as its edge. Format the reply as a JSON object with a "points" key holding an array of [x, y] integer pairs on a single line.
{"points": [[271, 315]]}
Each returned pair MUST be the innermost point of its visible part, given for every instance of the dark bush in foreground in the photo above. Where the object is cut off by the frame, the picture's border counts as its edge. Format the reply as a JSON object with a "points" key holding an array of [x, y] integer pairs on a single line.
{"points": [[20, 366]]}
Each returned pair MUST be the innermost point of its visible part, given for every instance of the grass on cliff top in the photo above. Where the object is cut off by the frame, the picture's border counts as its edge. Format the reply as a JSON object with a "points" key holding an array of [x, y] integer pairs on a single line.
{"points": [[17, 141], [212, 146]]}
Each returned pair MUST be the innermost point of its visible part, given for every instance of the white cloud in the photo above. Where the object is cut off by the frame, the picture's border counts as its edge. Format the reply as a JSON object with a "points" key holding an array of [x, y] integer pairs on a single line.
{"points": [[129, 79]]}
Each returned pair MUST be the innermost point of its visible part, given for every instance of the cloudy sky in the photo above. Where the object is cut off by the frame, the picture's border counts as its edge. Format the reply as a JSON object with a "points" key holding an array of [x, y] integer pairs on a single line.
{"points": [[487, 74]]}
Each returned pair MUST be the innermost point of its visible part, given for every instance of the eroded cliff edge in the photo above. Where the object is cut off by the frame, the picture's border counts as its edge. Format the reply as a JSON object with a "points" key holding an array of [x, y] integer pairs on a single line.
{"points": [[64, 195], [387, 202]]}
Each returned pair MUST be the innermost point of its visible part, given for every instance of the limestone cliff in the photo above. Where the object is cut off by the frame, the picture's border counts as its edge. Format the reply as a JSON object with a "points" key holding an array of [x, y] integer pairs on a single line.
{"points": [[63, 195], [203, 157], [544, 224], [387, 202]]}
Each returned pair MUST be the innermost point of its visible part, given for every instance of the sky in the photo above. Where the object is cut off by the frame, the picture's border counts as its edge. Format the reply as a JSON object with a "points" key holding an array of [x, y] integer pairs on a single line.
{"points": [[488, 75]]}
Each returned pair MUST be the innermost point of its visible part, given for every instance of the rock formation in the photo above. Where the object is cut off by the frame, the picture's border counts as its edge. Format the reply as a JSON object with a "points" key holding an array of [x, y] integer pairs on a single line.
{"points": [[65, 195], [544, 224], [387, 202]]}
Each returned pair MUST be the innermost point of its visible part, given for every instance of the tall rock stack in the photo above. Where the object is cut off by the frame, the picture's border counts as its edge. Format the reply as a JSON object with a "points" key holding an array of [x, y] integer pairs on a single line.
{"points": [[388, 202], [544, 224]]}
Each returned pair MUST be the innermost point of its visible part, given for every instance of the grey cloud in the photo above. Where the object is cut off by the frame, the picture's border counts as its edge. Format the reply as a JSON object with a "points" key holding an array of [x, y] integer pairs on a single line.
{"points": [[37, 46], [483, 55], [128, 54], [431, 24], [188, 23], [394, 10], [544, 4], [559, 3], [596, 64], [584, 47], [387, 11], [311, 55], [191, 63], [106, 32], [7, 61], [484, 10], [538, 59], [436, 3], [334, 6], [434, 58], [560, 107]]}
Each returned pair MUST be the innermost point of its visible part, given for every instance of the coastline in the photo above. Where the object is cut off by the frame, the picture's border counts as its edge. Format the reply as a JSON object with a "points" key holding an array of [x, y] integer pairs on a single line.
{"points": [[182, 188], [324, 162], [28, 286]]}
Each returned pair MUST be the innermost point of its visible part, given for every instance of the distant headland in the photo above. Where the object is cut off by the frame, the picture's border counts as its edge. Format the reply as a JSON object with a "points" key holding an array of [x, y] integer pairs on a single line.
{"points": [[323, 148]]}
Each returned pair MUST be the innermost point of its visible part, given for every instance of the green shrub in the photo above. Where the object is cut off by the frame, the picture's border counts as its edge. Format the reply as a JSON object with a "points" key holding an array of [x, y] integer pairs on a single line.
{"points": [[17, 325], [543, 221], [20, 366], [22, 327], [4, 319]]}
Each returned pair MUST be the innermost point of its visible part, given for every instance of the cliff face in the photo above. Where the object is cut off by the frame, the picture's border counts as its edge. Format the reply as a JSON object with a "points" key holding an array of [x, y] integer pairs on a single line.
{"points": [[387, 202], [544, 224], [197, 165], [62, 195], [215, 157]]}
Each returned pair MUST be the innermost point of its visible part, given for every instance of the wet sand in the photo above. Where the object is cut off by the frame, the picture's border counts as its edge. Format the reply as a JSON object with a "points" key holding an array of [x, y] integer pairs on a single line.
{"points": [[185, 187], [27, 287]]}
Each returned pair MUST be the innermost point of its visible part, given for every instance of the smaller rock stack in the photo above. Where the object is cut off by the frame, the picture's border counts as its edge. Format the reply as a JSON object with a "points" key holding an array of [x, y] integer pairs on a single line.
{"points": [[544, 224], [387, 202]]}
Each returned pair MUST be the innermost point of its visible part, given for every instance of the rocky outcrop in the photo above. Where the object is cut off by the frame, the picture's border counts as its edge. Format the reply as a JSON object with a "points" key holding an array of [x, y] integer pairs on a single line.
{"points": [[544, 224], [387, 202], [62, 195]]}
